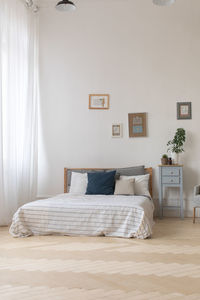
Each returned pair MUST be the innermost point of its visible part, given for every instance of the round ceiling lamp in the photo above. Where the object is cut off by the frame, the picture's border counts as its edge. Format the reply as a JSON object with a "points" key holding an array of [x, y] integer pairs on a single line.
{"points": [[65, 5], [163, 2]]}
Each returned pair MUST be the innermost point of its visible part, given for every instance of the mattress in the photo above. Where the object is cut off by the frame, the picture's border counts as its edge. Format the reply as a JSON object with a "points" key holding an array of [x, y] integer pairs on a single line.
{"points": [[90, 215]]}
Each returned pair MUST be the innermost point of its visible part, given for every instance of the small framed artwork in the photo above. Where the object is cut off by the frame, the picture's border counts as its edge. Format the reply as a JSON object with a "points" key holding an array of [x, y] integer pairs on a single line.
{"points": [[117, 130], [98, 101], [137, 124], [184, 110]]}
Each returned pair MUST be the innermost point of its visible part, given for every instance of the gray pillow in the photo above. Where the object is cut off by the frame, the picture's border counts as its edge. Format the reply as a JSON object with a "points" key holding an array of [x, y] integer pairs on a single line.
{"points": [[131, 171]]}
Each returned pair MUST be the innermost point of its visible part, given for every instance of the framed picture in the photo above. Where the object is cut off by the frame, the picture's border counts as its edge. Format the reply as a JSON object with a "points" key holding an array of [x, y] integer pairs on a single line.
{"points": [[137, 124], [98, 101], [117, 130], [184, 110]]}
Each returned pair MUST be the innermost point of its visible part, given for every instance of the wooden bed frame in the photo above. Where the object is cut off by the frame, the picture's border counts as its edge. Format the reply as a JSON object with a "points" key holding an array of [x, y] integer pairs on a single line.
{"points": [[147, 170]]}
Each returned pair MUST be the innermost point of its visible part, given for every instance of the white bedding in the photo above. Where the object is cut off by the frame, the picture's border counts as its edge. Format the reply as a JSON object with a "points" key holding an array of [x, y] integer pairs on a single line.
{"points": [[91, 215]]}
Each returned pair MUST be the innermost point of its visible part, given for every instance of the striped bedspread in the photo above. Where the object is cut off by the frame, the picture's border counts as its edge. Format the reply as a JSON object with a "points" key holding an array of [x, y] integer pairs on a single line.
{"points": [[91, 215]]}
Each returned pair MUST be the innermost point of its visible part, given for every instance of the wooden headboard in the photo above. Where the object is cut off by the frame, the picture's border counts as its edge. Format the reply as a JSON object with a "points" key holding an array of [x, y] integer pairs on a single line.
{"points": [[147, 170]]}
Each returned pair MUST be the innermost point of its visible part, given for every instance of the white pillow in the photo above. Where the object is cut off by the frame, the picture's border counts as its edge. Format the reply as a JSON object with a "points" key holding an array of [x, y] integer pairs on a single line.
{"points": [[124, 187], [141, 184], [79, 183]]}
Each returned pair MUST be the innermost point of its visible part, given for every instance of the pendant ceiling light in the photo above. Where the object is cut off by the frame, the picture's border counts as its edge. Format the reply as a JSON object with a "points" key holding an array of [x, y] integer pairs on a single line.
{"points": [[65, 5], [163, 2]]}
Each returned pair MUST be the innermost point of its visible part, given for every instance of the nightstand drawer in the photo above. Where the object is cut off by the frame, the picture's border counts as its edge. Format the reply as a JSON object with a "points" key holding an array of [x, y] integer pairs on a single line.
{"points": [[171, 179], [170, 171]]}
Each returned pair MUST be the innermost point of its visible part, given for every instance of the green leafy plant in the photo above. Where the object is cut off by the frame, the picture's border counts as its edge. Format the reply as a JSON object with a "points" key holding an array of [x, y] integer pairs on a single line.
{"points": [[176, 145], [164, 159]]}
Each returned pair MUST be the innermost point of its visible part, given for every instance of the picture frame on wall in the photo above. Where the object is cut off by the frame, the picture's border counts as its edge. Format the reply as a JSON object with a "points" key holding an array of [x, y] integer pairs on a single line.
{"points": [[184, 110], [137, 125], [116, 130], [99, 101]]}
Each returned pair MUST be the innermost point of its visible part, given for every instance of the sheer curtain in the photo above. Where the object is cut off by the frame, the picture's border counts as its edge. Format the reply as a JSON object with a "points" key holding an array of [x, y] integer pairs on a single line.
{"points": [[18, 107]]}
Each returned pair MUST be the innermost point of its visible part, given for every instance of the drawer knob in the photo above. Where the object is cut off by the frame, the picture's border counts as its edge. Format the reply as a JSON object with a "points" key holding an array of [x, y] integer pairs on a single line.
{"points": [[172, 173], [171, 180]]}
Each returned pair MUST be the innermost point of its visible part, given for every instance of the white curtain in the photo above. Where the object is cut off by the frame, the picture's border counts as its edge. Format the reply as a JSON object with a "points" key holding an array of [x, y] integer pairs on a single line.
{"points": [[18, 107]]}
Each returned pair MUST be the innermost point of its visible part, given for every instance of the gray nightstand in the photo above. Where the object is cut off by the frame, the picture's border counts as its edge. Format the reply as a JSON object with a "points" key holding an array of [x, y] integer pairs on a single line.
{"points": [[170, 176]]}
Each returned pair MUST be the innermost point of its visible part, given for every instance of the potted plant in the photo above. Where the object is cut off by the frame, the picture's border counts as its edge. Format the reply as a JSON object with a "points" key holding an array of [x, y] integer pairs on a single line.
{"points": [[164, 159], [176, 145]]}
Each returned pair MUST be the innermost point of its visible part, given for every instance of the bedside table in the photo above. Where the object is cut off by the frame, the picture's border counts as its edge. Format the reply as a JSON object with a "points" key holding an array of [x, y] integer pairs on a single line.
{"points": [[170, 176]]}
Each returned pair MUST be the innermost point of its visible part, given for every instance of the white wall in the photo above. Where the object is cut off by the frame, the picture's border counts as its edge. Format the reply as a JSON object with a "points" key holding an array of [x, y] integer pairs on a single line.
{"points": [[146, 57]]}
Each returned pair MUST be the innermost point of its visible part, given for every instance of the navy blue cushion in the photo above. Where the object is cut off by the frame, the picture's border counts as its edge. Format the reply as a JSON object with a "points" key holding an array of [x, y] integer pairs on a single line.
{"points": [[101, 183]]}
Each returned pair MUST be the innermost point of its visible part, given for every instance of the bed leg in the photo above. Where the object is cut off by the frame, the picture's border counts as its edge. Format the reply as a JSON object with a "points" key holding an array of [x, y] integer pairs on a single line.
{"points": [[194, 213]]}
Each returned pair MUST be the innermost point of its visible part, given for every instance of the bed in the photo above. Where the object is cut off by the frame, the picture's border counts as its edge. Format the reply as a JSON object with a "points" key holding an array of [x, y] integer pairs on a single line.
{"points": [[90, 215]]}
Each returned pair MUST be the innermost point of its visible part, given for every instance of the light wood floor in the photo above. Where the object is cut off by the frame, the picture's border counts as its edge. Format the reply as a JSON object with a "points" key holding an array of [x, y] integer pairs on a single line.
{"points": [[167, 266]]}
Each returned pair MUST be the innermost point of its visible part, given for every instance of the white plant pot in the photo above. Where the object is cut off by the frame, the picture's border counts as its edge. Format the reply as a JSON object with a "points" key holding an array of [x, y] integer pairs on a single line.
{"points": [[175, 158]]}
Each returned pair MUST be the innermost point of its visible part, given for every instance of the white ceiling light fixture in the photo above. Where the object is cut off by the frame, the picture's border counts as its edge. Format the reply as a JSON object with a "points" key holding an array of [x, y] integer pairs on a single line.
{"points": [[163, 2], [65, 5], [35, 8], [32, 6], [29, 3]]}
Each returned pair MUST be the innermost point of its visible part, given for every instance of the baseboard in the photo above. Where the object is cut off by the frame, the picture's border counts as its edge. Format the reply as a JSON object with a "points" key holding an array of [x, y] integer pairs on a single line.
{"points": [[38, 197]]}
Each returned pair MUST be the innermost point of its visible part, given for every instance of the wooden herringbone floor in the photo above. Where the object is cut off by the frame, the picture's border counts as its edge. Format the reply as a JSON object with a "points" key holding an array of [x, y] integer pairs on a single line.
{"points": [[93, 268]]}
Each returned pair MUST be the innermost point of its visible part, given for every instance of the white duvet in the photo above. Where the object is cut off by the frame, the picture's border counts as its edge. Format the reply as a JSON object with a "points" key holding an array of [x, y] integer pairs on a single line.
{"points": [[91, 215]]}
